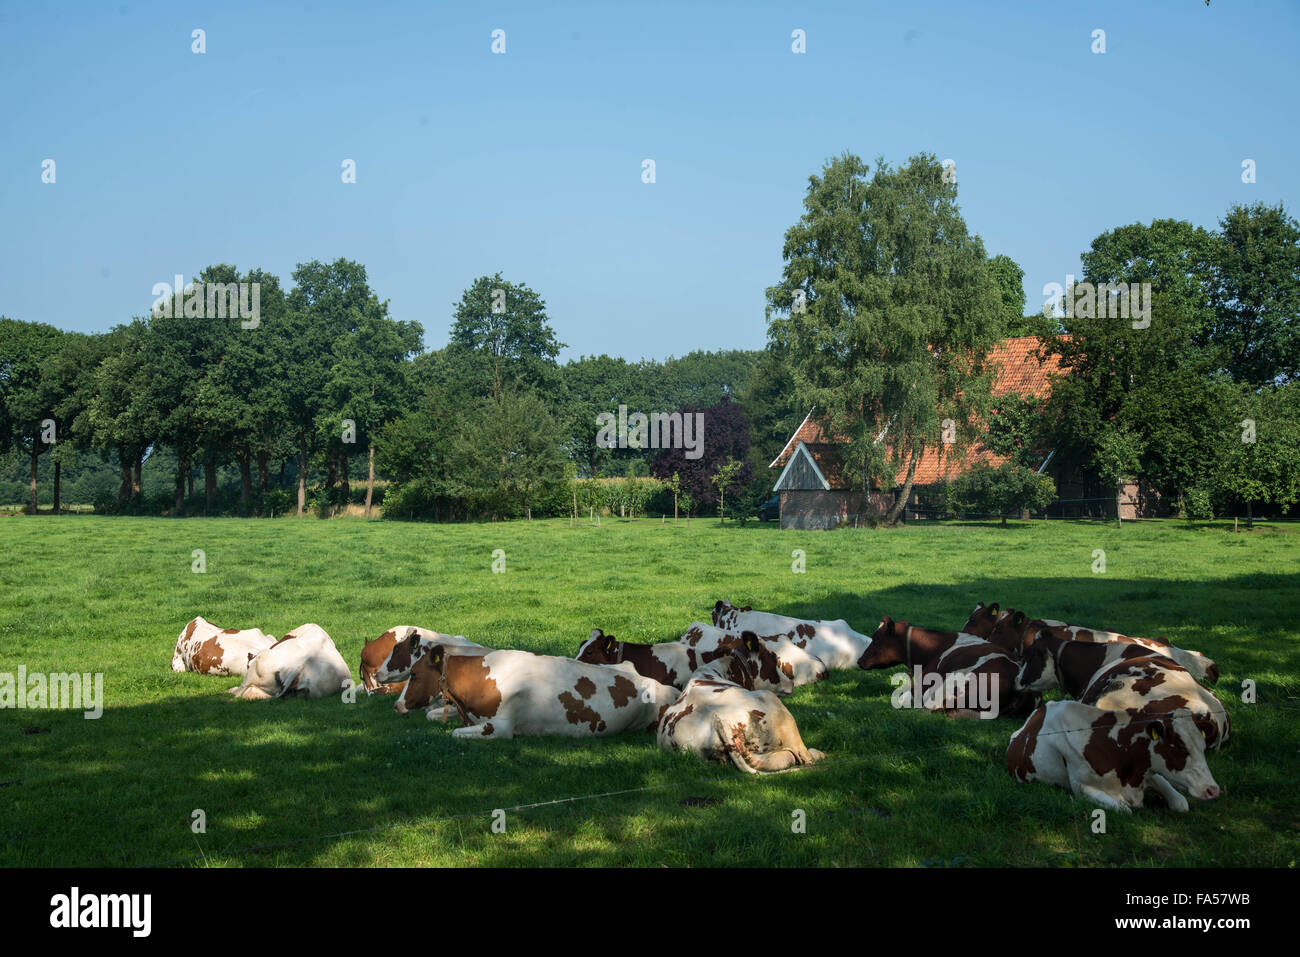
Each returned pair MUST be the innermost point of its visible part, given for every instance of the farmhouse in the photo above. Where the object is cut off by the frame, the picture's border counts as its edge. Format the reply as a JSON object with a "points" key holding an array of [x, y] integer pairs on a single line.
{"points": [[815, 494]]}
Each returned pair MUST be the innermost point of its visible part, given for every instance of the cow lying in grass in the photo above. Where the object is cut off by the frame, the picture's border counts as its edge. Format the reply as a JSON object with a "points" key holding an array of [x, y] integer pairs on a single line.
{"points": [[834, 643], [506, 693], [1122, 676], [302, 664], [721, 716], [209, 650], [1015, 631], [1111, 758], [781, 667], [963, 666], [386, 661]]}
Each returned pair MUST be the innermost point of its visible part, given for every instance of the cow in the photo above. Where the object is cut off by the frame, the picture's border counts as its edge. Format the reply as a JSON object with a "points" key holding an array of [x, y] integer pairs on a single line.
{"points": [[303, 664], [722, 716], [209, 650], [780, 667], [1111, 758], [959, 662], [789, 668], [507, 693], [1013, 629], [386, 661], [1122, 676], [834, 643]]}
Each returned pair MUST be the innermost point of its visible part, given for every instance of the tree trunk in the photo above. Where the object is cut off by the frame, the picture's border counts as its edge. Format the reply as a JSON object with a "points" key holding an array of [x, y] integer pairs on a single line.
{"points": [[209, 481], [189, 478], [302, 477], [370, 482], [245, 477], [343, 479], [58, 466], [263, 471], [181, 467], [901, 503], [137, 483], [1250, 514], [124, 490], [35, 457]]}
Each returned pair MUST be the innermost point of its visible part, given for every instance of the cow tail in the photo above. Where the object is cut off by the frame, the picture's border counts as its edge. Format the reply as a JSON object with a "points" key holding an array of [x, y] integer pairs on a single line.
{"points": [[738, 756]]}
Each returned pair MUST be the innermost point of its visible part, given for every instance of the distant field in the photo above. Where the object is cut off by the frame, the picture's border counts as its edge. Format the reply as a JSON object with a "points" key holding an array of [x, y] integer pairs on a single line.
{"points": [[95, 594]]}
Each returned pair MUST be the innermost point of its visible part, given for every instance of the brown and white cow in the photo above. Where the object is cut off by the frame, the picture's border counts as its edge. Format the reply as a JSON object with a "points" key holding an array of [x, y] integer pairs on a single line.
{"points": [[1122, 676], [303, 664], [956, 665], [1111, 758], [386, 661], [789, 668], [1016, 630], [209, 650], [834, 643], [721, 716], [780, 666], [507, 693]]}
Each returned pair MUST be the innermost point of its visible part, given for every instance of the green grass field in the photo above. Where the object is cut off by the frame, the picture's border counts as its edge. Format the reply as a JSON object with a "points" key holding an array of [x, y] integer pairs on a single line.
{"points": [[281, 781]]}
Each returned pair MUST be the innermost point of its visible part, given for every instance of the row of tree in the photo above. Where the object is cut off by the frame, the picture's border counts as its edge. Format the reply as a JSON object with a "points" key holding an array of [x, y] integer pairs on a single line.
{"points": [[882, 323]]}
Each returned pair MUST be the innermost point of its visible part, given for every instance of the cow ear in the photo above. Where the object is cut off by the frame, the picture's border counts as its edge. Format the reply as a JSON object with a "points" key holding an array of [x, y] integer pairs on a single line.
{"points": [[993, 608], [750, 641], [1019, 619], [1155, 733], [748, 608]]}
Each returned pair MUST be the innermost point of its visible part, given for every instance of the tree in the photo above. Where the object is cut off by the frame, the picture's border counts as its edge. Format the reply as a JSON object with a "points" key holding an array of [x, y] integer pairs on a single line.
{"points": [[725, 436], [886, 311], [503, 329], [1255, 293], [30, 387], [507, 456], [1004, 490], [1259, 458], [724, 478], [1009, 279]]}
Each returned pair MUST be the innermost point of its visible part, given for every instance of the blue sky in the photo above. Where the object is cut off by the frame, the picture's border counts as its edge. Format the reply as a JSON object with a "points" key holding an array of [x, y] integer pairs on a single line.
{"points": [[530, 162]]}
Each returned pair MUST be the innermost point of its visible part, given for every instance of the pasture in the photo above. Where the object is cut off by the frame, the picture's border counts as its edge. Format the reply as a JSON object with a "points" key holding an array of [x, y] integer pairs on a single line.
{"points": [[335, 784]]}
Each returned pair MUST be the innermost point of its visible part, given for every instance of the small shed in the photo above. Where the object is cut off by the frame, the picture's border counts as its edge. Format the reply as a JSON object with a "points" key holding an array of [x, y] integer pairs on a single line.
{"points": [[813, 492]]}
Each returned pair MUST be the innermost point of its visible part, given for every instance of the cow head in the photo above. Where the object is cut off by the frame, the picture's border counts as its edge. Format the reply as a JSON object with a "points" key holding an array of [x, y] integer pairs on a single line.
{"points": [[599, 649], [1178, 754], [1008, 632], [425, 682], [760, 665], [1040, 669], [981, 620], [888, 645], [374, 656]]}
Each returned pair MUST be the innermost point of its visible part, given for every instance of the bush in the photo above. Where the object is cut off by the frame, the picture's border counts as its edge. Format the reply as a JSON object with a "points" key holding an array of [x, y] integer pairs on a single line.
{"points": [[1002, 491], [1198, 505]]}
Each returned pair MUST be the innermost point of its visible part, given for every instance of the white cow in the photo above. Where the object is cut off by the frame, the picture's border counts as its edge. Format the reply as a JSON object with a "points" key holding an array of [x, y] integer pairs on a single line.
{"points": [[303, 664], [833, 642]]}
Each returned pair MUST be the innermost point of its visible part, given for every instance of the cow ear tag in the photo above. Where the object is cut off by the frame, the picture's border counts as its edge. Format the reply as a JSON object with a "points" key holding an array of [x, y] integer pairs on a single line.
{"points": [[993, 608], [1155, 735]]}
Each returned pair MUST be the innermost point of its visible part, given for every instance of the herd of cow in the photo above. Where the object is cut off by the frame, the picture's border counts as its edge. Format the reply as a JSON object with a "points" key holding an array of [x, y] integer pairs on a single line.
{"points": [[1138, 717]]}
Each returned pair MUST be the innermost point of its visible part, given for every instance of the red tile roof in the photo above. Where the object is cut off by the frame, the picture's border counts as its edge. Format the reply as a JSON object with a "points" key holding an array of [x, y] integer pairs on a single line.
{"points": [[1020, 371]]}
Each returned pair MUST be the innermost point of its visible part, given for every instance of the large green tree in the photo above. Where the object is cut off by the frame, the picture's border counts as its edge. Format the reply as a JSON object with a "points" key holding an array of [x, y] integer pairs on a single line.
{"points": [[886, 311]]}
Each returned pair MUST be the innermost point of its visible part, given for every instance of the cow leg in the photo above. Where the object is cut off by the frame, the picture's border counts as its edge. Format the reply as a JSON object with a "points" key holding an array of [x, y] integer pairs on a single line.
{"points": [[776, 761], [444, 713], [493, 728], [1175, 800], [1101, 798], [251, 693]]}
